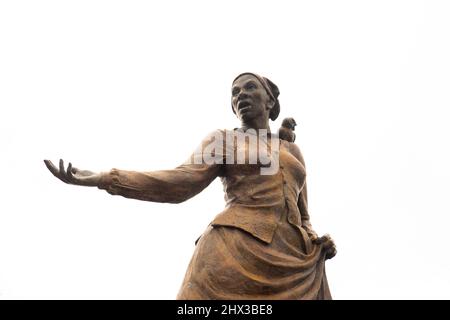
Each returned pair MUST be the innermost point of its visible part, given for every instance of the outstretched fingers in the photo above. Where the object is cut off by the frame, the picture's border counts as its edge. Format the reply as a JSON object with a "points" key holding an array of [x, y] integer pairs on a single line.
{"points": [[55, 171], [51, 167], [69, 171], [65, 175], [62, 171], [70, 174]]}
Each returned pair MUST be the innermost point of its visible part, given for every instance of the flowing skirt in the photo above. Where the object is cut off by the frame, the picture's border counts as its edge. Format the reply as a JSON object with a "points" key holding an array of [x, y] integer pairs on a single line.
{"points": [[231, 264]]}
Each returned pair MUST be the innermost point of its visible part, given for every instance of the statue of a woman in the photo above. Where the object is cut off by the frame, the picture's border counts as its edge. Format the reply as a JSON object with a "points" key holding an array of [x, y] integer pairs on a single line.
{"points": [[262, 246]]}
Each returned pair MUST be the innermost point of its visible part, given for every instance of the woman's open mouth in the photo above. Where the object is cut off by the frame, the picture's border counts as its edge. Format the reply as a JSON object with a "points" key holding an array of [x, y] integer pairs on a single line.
{"points": [[243, 105]]}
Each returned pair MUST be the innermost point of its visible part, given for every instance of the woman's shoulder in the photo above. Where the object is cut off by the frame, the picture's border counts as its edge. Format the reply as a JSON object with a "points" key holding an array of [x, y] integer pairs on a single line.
{"points": [[294, 149]]}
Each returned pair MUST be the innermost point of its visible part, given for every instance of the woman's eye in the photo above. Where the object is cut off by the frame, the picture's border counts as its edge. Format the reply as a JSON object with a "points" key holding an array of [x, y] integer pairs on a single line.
{"points": [[251, 86], [235, 92]]}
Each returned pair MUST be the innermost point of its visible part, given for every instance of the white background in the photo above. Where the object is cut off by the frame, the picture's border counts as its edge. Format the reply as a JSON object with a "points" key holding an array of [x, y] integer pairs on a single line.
{"points": [[137, 84]]}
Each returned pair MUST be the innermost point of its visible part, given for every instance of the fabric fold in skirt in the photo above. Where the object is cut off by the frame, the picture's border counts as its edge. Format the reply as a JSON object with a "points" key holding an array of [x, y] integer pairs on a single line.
{"points": [[231, 264]]}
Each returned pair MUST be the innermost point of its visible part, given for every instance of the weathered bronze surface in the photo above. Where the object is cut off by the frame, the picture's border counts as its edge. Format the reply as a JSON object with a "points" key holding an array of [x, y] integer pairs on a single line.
{"points": [[262, 245]]}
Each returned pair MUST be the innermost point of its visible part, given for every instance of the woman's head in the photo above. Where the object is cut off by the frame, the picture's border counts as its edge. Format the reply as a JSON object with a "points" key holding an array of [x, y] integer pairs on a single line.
{"points": [[254, 98]]}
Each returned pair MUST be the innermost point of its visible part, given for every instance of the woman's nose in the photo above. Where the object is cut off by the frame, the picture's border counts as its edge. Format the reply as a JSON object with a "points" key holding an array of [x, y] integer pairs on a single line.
{"points": [[242, 95]]}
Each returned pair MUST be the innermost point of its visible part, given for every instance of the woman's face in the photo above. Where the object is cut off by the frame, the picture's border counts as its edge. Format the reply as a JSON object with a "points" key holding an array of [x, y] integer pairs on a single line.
{"points": [[250, 99]]}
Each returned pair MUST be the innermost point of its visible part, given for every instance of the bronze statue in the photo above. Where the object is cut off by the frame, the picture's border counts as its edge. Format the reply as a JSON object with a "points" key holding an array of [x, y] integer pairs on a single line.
{"points": [[262, 245]]}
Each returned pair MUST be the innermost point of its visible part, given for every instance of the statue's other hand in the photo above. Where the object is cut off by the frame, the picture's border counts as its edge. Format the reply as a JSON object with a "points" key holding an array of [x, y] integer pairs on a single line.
{"points": [[328, 245], [72, 175]]}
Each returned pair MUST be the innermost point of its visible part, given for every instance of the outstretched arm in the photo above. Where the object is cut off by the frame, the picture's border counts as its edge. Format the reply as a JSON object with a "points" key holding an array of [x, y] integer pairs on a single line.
{"points": [[173, 186]]}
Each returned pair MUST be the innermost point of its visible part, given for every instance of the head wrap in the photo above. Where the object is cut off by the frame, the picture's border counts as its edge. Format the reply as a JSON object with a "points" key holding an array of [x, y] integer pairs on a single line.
{"points": [[271, 89]]}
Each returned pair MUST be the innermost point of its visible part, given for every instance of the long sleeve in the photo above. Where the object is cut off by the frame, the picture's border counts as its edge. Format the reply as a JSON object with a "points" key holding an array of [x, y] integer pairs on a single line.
{"points": [[172, 186]]}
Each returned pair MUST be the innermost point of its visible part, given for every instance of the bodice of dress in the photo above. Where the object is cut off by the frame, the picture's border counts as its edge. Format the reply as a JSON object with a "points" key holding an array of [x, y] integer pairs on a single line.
{"points": [[255, 202]]}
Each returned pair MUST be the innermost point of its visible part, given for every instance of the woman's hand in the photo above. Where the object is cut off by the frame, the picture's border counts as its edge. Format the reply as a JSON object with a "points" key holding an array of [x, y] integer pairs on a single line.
{"points": [[328, 245], [73, 175]]}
